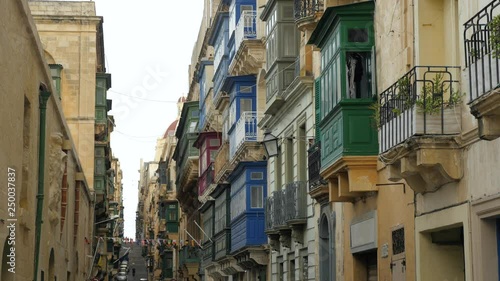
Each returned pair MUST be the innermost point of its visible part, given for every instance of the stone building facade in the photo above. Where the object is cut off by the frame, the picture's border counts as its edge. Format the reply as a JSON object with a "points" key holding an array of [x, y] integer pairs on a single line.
{"points": [[44, 163], [73, 43]]}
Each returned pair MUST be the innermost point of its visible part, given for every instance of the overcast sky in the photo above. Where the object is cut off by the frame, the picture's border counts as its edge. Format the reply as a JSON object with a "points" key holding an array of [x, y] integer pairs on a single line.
{"points": [[148, 47]]}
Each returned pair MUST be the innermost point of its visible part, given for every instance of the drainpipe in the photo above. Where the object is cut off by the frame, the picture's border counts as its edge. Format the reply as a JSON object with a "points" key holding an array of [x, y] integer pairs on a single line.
{"points": [[44, 96]]}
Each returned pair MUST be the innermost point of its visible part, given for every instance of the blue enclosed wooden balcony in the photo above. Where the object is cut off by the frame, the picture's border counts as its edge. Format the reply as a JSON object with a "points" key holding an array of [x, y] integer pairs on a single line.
{"points": [[483, 69], [249, 49], [219, 41], [245, 133], [248, 193]]}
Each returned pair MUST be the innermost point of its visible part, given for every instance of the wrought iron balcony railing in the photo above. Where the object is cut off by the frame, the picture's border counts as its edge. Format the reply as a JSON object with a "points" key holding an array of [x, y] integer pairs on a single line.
{"points": [[307, 8], [481, 52], [189, 254], [425, 101], [246, 131], [279, 208], [269, 213], [275, 211], [314, 165], [296, 202]]}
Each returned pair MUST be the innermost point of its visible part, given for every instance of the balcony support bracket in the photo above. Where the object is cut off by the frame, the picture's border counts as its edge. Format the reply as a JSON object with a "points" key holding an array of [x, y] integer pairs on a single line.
{"points": [[426, 163], [487, 110], [286, 238], [350, 177]]}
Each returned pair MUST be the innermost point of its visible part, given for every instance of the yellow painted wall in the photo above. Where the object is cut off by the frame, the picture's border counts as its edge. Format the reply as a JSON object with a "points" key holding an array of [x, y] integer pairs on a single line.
{"points": [[442, 261]]}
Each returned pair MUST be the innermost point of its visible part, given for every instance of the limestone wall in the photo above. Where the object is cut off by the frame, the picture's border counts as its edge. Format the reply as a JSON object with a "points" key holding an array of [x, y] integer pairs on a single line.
{"points": [[68, 32], [23, 69]]}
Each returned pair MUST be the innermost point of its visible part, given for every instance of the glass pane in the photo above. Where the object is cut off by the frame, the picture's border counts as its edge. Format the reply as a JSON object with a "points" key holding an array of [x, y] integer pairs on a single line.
{"points": [[213, 153], [256, 197], [214, 142], [245, 105], [246, 89], [192, 126], [257, 175], [357, 35]]}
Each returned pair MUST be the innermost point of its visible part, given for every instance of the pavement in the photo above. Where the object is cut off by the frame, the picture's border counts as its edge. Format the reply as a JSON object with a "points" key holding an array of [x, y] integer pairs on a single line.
{"points": [[136, 261]]}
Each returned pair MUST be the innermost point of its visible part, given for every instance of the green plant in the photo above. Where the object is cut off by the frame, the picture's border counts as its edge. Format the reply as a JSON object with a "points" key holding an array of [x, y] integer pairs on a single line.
{"points": [[494, 27], [433, 96], [404, 95], [474, 53], [375, 106]]}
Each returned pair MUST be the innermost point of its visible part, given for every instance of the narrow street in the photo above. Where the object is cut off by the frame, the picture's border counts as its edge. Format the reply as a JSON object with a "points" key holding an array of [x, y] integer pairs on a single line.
{"points": [[138, 262]]}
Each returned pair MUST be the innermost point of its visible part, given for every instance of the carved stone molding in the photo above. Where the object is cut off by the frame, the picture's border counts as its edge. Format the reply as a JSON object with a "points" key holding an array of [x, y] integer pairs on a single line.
{"points": [[57, 163], [426, 163]]}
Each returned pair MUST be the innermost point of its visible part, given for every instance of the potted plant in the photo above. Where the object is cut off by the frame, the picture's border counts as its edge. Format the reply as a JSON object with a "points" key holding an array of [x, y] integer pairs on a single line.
{"points": [[438, 108]]}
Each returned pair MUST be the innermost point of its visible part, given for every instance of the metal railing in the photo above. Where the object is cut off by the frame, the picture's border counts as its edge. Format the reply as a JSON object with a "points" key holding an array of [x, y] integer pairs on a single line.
{"points": [[275, 214], [314, 165], [307, 8], [296, 201], [189, 254], [269, 213], [279, 208], [247, 28], [481, 53], [419, 103], [246, 130]]}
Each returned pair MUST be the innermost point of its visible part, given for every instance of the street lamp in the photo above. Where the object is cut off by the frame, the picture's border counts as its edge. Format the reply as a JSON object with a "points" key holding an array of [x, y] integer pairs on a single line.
{"points": [[270, 143]]}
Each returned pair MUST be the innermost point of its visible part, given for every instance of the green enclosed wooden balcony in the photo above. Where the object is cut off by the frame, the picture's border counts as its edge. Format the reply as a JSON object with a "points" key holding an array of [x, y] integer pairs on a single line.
{"points": [[344, 100], [349, 130]]}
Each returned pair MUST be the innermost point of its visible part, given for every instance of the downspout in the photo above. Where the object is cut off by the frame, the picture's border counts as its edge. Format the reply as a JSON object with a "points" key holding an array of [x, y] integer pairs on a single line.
{"points": [[44, 96]]}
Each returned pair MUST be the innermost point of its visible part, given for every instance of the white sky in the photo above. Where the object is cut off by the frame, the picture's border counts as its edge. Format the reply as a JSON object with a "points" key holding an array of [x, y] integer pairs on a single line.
{"points": [[148, 47]]}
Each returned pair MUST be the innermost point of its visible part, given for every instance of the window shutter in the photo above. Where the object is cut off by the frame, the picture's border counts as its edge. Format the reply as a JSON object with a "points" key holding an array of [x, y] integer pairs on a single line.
{"points": [[317, 107]]}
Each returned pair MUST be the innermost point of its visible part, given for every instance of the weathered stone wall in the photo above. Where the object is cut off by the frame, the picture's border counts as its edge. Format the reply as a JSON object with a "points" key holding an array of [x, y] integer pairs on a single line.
{"points": [[23, 69], [68, 31]]}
